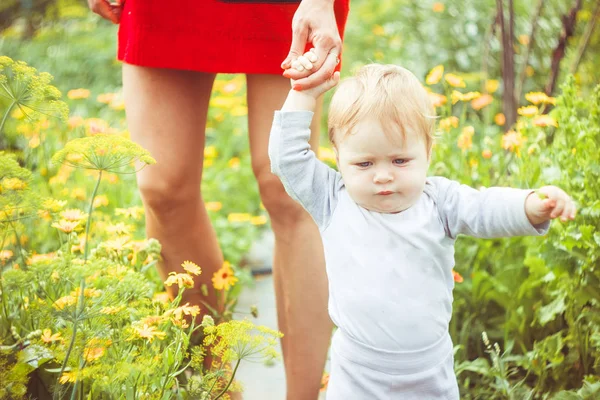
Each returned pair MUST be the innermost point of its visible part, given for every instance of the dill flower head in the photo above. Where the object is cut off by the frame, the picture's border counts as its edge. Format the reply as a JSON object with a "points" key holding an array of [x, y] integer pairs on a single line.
{"points": [[103, 153], [29, 91], [242, 340]]}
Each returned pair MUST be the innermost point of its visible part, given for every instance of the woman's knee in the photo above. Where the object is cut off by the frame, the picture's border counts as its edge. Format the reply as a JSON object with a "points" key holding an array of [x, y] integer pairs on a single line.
{"points": [[167, 197]]}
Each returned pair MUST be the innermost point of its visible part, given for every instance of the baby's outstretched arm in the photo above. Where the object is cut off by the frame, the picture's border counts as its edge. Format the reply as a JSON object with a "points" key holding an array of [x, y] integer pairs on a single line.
{"points": [[306, 100], [549, 202]]}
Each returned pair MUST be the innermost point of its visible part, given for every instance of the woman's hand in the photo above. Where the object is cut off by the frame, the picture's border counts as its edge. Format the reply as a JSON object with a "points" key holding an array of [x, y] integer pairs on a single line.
{"points": [[314, 22], [107, 10]]}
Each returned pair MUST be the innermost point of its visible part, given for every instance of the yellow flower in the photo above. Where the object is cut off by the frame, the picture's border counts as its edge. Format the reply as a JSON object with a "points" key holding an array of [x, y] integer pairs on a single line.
{"points": [[95, 349], [239, 111], [161, 297], [455, 80], [491, 85], [528, 111], [435, 75], [234, 163], [500, 119], [120, 229], [458, 96], [100, 201], [48, 337], [131, 212], [512, 141], [182, 280], [545, 120], [210, 152], [152, 320], [258, 220], [65, 226], [12, 184], [185, 309], [68, 376], [224, 278], [214, 205], [465, 140], [191, 268], [447, 123], [110, 310], [326, 154], [78, 194], [378, 30], [75, 94], [40, 258], [105, 98], [482, 101], [149, 333], [64, 302], [437, 100], [34, 142], [539, 98], [438, 7], [87, 292], [238, 217], [524, 39], [73, 214]]}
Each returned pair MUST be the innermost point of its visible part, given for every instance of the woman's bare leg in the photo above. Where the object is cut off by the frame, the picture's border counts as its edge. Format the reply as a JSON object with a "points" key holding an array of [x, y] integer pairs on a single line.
{"points": [[299, 266], [166, 114]]}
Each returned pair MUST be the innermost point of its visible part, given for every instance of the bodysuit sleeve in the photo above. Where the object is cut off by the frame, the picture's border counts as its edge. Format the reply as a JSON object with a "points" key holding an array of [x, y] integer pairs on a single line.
{"points": [[488, 213], [306, 179]]}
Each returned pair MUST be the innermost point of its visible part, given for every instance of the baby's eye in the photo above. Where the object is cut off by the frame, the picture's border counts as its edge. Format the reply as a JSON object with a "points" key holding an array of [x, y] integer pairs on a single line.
{"points": [[364, 164], [400, 161]]}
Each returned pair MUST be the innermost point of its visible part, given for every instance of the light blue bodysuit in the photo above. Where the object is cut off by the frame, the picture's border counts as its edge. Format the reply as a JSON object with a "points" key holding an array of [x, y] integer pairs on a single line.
{"points": [[390, 275]]}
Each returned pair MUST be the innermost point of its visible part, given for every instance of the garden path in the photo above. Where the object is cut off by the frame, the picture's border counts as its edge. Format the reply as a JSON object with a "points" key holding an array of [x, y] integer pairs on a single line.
{"points": [[260, 381]]}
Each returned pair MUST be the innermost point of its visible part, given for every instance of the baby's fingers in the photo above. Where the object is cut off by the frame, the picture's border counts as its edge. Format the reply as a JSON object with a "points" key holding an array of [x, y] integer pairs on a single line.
{"points": [[569, 211]]}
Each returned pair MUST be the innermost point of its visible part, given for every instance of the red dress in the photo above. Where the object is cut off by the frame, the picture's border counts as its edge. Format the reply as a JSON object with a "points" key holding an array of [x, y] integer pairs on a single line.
{"points": [[221, 36]]}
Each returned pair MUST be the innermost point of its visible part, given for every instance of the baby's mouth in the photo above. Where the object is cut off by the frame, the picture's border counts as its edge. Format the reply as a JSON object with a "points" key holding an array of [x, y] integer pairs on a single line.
{"points": [[385, 192]]}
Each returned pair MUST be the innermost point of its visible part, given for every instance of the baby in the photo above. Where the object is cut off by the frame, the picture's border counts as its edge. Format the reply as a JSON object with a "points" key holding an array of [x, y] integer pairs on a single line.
{"points": [[389, 230]]}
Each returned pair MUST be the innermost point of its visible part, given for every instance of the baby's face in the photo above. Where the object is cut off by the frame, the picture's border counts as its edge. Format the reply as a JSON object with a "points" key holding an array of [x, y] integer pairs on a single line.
{"points": [[380, 174]]}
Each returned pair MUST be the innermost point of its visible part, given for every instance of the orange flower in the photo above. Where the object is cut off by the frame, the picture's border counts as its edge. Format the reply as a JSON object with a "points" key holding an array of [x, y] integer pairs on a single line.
{"points": [[457, 277], [438, 7], [437, 100], [447, 123], [512, 140], [224, 278], [455, 80], [48, 337], [545, 120], [75, 94], [214, 205], [500, 119], [487, 154], [65, 226], [481, 101], [435, 75], [324, 381]]}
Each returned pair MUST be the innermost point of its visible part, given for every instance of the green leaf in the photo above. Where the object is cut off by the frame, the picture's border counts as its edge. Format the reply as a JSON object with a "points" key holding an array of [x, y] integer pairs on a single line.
{"points": [[548, 312]]}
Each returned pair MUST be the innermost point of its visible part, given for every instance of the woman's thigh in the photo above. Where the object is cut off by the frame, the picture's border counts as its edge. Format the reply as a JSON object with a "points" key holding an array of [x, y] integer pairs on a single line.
{"points": [[166, 114], [266, 94]]}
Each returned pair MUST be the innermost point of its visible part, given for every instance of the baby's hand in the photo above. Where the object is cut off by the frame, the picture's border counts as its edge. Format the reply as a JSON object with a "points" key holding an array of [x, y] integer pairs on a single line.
{"points": [[305, 62], [549, 202]]}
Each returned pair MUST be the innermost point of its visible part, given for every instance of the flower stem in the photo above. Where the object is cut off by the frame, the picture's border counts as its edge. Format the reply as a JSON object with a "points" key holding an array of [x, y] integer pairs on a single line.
{"points": [[8, 110], [237, 364], [89, 220]]}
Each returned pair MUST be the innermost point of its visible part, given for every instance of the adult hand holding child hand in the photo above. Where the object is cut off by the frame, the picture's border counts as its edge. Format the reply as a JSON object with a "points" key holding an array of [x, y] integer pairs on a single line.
{"points": [[549, 202], [313, 22]]}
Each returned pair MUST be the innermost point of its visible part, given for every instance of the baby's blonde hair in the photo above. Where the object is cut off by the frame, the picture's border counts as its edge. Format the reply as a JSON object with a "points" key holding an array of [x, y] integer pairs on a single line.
{"points": [[388, 93]]}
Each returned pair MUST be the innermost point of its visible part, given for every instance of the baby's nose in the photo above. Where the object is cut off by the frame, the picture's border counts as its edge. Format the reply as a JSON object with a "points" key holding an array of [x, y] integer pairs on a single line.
{"points": [[383, 176]]}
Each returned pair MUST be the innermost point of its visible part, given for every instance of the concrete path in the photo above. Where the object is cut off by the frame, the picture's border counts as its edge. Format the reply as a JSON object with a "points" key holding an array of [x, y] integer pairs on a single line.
{"points": [[262, 382]]}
